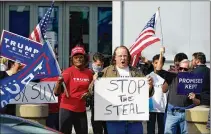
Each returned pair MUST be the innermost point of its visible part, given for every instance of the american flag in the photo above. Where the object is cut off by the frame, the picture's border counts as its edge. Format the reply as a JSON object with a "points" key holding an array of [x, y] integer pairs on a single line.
{"points": [[145, 39], [40, 30]]}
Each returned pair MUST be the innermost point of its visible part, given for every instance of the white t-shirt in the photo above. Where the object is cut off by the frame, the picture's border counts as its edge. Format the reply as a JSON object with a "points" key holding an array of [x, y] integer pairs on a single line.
{"points": [[123, 72], [158, 101]]}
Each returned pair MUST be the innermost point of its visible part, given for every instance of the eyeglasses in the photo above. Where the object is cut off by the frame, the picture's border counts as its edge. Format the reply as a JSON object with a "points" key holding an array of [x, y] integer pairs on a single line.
{"points": [[120, 56], [182, 68]]}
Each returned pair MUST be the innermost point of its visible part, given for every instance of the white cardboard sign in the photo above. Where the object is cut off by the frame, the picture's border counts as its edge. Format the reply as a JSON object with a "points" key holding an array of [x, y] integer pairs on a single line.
{"points": [[121, 99], [41, 92]]}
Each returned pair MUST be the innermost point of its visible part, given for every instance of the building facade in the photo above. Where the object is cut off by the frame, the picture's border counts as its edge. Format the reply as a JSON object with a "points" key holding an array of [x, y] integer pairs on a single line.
{"points": [[71, 23], [102, 26], [184, 26]]}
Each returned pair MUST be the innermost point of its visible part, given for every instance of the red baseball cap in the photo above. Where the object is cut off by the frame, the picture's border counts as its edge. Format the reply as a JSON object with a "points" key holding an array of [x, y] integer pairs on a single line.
{"points": [[77, 50]]}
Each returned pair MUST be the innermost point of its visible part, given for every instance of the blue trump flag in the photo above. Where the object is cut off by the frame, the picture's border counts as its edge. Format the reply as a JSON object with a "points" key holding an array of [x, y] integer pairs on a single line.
{"points": [[11, 86], [189, 82], [18, 48], [51, 66]]}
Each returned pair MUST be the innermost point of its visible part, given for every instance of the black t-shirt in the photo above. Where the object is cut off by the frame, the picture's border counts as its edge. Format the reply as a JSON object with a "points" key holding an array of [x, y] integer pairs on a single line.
{"points": [[205, 94], [167, 76], [173, 98], [203, 69], [3, 74]]}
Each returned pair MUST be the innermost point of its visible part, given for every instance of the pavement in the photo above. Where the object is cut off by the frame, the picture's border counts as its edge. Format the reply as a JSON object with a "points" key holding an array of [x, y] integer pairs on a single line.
{"points": [[90, 125]]}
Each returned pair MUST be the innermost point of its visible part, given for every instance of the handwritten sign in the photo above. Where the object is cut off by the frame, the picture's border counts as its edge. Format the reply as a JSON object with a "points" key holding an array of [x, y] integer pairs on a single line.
{"points": [[18, 48], [189, 82], [41, 92], [121, 99]]}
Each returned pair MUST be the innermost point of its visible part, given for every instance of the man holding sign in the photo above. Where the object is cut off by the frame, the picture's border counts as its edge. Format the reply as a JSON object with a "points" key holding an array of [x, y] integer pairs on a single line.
{"points": [[120, 69], [177, 103]]}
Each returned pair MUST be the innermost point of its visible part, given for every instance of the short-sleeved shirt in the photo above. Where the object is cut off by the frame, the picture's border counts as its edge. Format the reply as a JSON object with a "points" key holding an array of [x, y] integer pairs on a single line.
{"points": [[77, 83]]}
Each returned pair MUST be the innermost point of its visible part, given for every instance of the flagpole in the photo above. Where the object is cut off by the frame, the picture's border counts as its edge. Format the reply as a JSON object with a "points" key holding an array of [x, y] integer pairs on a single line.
{"points": [[160, 27], [57, 64]]}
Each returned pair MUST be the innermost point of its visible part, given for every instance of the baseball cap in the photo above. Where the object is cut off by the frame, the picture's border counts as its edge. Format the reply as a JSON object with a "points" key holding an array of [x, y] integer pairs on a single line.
{"points": [[77, 50]]}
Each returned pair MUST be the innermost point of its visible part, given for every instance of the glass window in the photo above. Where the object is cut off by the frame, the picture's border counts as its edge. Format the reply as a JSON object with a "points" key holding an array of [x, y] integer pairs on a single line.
{"points": [[105, 32], [19, 20], [79, 27], [52, 27]]}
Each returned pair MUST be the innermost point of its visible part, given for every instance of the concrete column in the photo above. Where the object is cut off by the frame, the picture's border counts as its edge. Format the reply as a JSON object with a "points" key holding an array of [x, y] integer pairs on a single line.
{"points": [[117, 24], [34, 112], [197, 118]]}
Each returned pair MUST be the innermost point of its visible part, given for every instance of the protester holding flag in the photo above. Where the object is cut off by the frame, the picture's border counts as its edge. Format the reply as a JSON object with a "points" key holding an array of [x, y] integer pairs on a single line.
{"points": [[77, 79], [175, 118], [157, 103]]}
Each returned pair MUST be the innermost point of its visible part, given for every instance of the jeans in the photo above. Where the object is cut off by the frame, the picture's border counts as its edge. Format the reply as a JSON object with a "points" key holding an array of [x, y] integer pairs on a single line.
{"points": [[153, 116], [124, 127], [175, 120], [68, 118], [53, 121]]}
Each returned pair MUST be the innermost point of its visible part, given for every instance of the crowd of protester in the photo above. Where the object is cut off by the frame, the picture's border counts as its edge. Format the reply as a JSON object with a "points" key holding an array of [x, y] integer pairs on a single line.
{"points": [[70, 111]]}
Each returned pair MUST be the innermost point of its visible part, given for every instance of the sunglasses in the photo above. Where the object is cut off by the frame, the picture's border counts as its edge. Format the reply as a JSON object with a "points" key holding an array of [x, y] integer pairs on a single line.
{"points": [[182, 68]]}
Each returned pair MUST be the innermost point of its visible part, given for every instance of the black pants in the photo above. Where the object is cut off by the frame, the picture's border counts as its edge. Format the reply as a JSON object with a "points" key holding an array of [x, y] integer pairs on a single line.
{"points": [[68, 118], [160, 122], [98, 126], [53, 121]]}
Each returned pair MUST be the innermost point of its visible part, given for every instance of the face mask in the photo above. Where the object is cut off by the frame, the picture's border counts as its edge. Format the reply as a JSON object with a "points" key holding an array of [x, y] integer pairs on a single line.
{"points": [[96, 69]]}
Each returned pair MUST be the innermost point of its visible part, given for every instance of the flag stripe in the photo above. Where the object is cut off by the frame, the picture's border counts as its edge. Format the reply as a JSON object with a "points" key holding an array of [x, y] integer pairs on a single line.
{"points": [[137, 43], [138, 52], [37, 37], [143, 42], [149, 30], [146, 32], [146, 44]]}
